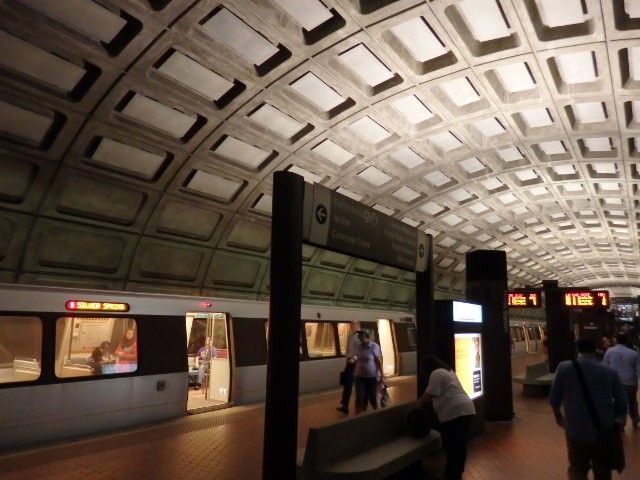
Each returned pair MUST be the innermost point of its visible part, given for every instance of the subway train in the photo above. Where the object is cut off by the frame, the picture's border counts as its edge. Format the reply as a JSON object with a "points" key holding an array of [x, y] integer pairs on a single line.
{"points": [[81, 362], [526, 336]]}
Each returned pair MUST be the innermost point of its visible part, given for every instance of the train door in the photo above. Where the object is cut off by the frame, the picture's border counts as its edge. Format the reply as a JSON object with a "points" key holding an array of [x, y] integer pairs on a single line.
{"points": [[387, 346], [208, 358]]}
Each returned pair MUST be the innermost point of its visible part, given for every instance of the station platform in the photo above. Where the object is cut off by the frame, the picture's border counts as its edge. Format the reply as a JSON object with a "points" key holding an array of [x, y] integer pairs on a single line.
{"points": [[226, 444]]}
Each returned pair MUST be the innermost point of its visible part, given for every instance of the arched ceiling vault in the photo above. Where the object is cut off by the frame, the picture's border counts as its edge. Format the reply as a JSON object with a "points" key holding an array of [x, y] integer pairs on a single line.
{"points": [[138, 138]]}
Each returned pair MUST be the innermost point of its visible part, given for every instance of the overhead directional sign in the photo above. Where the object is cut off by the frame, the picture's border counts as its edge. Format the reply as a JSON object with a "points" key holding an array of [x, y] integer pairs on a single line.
{"points": [[576, 298], [524, 298], [337, 222]]}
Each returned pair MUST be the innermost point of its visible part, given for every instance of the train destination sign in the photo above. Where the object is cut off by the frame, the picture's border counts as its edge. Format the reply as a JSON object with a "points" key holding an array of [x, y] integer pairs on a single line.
{"points": [[525, 298], [93, 306], [585, 298], [339, 223]]}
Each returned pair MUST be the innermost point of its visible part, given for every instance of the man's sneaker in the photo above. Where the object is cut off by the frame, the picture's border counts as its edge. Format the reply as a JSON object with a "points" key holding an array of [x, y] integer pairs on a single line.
{"points": [[343, 409]]}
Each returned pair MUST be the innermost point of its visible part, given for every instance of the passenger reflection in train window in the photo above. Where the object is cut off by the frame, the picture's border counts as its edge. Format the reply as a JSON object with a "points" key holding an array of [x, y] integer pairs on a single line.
{"points": [[127, 350], [95, 362], [106, 355]]}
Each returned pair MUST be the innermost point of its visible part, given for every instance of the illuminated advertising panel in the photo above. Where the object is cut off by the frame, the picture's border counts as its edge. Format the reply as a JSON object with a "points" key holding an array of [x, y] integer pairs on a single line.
{"points": [[467, 312], [468, 358], [585, 298], [525, 298]]}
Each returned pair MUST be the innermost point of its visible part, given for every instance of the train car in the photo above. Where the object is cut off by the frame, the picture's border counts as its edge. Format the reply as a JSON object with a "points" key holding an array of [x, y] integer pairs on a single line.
{"points": [[526, 337], [80, 362]]}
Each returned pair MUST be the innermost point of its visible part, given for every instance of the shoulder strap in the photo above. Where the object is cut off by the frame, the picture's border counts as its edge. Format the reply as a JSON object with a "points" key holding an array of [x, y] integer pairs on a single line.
{"points": [[587, 395]]}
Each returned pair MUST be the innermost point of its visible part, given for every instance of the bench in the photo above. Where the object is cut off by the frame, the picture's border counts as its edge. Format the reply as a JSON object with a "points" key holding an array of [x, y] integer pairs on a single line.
{"points": [[370, 446], [535, 380]]}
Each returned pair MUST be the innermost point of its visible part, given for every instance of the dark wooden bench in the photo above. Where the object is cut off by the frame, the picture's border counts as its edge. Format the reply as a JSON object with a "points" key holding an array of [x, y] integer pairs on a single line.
{"points": [[370, 446], [535, 380]]}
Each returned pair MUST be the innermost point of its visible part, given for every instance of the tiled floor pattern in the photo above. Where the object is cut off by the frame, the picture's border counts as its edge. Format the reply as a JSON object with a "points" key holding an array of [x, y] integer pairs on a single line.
{"points": [[227, 445]]}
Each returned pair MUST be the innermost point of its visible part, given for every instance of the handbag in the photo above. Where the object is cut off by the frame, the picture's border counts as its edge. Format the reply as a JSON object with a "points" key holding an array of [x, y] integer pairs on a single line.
{"points": [[609, 440]]}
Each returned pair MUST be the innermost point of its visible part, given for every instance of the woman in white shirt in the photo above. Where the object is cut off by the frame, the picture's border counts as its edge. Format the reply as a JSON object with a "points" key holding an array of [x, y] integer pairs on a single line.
{"points": [[454, 409]]}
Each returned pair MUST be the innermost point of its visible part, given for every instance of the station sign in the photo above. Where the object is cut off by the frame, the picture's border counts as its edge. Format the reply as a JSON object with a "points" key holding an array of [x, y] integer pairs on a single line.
{"points": [[337, 222], [576, 298], [525, 298], [96, 306]]}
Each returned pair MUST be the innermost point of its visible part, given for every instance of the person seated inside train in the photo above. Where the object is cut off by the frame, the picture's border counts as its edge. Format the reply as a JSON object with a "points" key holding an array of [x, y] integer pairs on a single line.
{"points": [[101, 356], [127, 349], [203, 359]]}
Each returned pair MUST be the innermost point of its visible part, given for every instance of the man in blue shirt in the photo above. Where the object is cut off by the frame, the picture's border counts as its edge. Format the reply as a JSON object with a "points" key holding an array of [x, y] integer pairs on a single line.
{"points": [[368, 371], [610, 403], [203, 359], [626, 362]]}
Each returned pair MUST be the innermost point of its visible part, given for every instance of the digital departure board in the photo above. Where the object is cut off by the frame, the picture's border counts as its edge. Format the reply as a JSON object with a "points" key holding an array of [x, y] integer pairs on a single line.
{"points": [[525, 298], [585, 298], [94, 306]]}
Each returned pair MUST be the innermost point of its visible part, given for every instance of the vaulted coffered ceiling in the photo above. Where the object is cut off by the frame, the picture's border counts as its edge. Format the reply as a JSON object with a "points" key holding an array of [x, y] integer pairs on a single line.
{"points": [[138, 138]]}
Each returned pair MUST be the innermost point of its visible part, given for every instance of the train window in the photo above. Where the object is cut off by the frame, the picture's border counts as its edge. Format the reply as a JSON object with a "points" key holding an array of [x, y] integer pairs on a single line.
{"points": [[88, 346], [405, 334], [320, 339], [20, 348]]}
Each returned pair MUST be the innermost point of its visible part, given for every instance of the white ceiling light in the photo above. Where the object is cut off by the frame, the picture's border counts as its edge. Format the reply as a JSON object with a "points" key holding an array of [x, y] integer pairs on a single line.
{"points": [[370, 130], [317, 92], [241, 152], [460, 91], [492, 183], [508, 198], [452, 219], [214, 185], [128, 158], [43, 66], [598, 144], [410, 221], [231, 31], [374, 176], [564, 169], [419, 39], [406, 194], [264, 203], [148, 111], [634, 63], [437, 178], [24, 124], [445, 141], [333, 152], [632, 7], [460, 195], [605, 168], [577, 67], [407, 157], [307, 13], [515, 77], [526, 175], [479, 208], [558, 14], [275, 121], [484, 19], [510, 154], [412, 109], [190, 73], [537, 117], [88, 18], [590, 112], [554, 147], [432, 208], [361, 61], [489, 127], [471, 165]]}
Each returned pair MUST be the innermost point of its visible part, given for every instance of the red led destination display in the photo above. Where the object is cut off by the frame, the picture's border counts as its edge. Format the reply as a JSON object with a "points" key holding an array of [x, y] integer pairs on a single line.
{"points": [[93, 306], [585, 298], [524, 298]]}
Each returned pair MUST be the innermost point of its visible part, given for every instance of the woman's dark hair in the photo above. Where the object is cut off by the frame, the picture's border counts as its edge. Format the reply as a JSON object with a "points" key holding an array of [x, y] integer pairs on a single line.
{"points": [[431, 363]]}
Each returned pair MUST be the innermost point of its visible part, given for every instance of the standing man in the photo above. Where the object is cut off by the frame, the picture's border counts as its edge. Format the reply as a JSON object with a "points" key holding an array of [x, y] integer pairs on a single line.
{"points": [[203, 359], [610, 402], [625, 361], [353, 343], [368, 371]]}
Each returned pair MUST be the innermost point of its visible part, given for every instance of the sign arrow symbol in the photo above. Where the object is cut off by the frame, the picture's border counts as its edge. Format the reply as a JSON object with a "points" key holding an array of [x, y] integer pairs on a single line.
{"points": [[321, 214]]}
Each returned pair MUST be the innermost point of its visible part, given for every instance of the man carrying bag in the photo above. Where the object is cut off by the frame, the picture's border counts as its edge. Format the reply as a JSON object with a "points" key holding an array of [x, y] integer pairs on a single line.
{"points": [[594, 403]]}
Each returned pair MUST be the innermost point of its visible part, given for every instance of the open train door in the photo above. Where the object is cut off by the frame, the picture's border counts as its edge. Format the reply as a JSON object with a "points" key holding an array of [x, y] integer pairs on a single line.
{"points": [[210, 386]]}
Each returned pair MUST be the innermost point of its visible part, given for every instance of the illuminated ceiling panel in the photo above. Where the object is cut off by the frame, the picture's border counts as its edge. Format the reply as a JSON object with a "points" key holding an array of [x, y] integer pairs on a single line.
{"points": [[419, 39], [484, 18], [184, 70], [361, 61], [317, 92]]}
